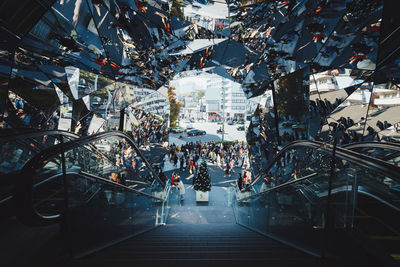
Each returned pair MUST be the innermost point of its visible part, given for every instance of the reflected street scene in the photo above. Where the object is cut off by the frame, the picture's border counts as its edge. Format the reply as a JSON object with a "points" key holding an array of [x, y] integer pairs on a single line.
{"points": [[200, 132]]}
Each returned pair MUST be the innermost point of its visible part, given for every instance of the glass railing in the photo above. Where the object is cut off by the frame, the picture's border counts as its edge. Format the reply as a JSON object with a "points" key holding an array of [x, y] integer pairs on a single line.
{"points": [[306, 201], [110, 192], [110, 155], [19, 146], [101, 213], [16, 148]]}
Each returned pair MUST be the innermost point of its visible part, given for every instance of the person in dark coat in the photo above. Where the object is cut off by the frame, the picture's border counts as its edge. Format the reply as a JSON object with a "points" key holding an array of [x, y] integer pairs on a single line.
{"points": [[240, 182]]}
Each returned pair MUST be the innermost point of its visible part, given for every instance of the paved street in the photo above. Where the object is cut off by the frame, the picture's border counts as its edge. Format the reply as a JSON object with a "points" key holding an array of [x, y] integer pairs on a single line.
{"points": [[216, 210], [217, 175], [231, 133]]}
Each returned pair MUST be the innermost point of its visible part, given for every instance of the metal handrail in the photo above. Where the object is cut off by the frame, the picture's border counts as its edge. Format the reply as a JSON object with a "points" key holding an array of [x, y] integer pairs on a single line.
{"points": [[103, 180], [30, 133], [23, 193], [280, 186], [354, 157], [53, 151], [382, 145]]}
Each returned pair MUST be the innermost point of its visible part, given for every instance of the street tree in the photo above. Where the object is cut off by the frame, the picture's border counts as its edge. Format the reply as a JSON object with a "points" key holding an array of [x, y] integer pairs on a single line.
{"points": [[174, 106]]}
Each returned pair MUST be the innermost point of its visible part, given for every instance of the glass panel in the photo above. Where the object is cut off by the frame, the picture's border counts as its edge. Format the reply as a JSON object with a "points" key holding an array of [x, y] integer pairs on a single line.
{"points": [[293, 164], [110, 158], [298, 212], [146, 127], [292, 213], [292, 99], [348, 121], [100, 213], [262, 136], [328, 90], [15, 153]]}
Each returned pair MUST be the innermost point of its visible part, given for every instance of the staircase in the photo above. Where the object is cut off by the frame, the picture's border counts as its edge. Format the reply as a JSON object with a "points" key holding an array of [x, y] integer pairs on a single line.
{"points": [[199, 245]]}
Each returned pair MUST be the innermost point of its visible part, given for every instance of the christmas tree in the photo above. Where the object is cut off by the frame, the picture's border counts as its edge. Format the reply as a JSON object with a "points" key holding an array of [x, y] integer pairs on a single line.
{"points": [[203, 181]]}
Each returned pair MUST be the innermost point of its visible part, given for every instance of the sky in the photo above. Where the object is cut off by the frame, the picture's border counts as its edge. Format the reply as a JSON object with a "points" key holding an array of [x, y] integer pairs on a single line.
{"points": [[189, 84]]}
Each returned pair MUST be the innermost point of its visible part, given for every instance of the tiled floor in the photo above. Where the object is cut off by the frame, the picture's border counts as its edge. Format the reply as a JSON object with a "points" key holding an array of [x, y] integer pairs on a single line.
{"points": [[217, 210]]}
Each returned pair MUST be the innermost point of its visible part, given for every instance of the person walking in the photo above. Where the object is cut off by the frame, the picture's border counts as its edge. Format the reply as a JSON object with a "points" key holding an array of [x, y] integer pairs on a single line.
{"points": [[174, 180], [181, 188], [181, 163], [227, 171], [192, 168], [231, 163], [240, 182]]}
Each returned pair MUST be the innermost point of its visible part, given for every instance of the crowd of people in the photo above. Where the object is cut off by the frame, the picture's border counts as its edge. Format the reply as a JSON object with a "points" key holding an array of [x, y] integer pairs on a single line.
{"points": [[149, 128], [264, 30], [18, 113], [225, 156]]}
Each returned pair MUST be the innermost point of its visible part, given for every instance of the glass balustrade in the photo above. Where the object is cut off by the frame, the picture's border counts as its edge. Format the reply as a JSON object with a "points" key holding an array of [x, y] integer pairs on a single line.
{"points": [[112, 193], [295, 202]]}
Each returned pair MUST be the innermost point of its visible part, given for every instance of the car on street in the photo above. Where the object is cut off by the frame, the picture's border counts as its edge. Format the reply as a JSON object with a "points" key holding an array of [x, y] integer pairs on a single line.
{"points": [[195, 132], [230, 122], [240, 128]]}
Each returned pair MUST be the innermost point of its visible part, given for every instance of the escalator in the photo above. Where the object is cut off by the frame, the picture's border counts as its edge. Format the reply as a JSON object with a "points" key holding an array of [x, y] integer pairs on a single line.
{"points": [[389, 152], [303, 208], [78, 196], [102, 213], [84, 167], [17, 146], [379, 216], [355, 214]]}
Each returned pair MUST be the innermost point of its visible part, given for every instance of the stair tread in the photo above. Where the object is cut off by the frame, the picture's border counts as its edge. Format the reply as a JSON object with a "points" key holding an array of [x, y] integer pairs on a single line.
{"points": [[225, 242]]}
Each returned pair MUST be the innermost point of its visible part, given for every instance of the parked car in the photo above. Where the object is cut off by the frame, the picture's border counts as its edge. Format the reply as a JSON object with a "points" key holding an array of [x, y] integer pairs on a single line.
{"points": [[240, 128], [194, 132], [230, 122]]}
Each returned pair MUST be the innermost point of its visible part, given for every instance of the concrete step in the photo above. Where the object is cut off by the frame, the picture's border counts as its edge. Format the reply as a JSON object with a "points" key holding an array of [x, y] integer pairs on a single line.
{"points": [[210, 245]]}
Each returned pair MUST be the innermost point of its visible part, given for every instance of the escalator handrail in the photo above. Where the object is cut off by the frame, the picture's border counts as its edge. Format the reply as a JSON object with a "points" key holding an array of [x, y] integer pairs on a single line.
{"points": [[354, 157], [40, 219], [24, 186], [300, 180], [380, 145], [103, 180], [6, 137], [86, 140], [98, 178]]}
